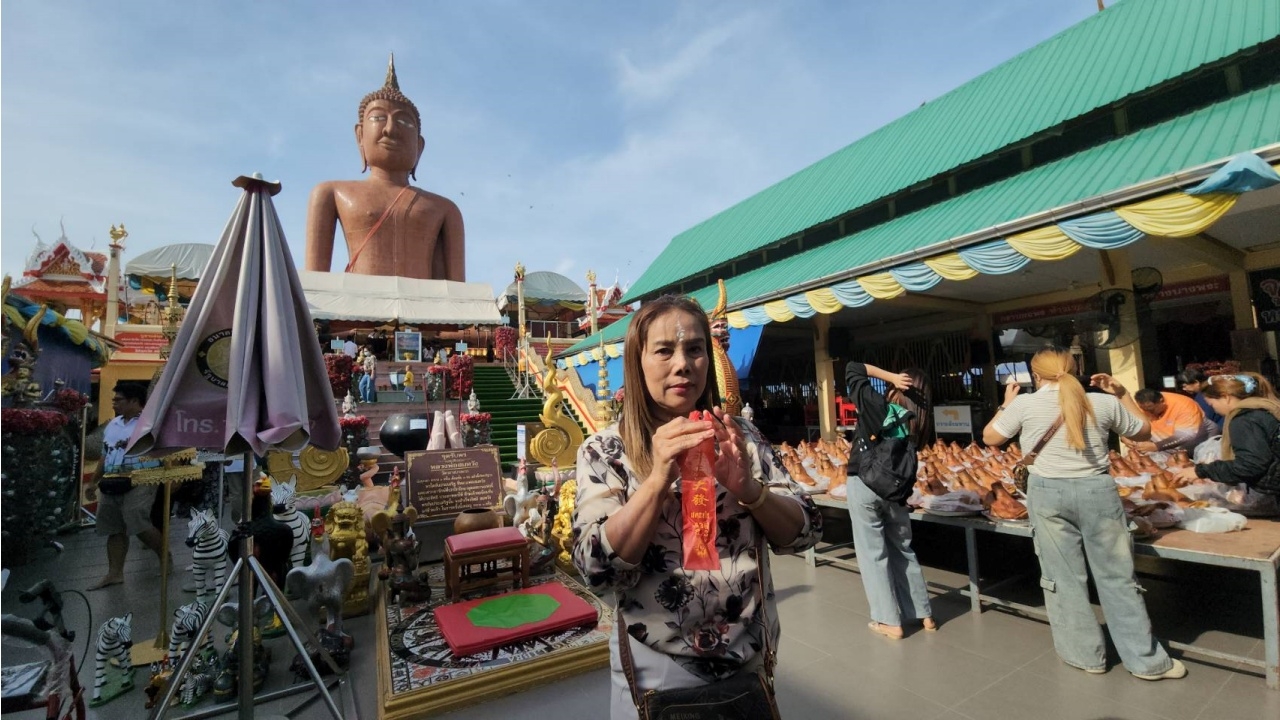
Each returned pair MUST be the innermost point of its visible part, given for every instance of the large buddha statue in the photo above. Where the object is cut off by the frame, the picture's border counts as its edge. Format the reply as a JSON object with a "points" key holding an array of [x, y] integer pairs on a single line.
{"points": [[391, 227]]}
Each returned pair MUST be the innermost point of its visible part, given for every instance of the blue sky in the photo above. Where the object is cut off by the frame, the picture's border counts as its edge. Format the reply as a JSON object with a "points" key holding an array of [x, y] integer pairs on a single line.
{"points": [[571, 134]]}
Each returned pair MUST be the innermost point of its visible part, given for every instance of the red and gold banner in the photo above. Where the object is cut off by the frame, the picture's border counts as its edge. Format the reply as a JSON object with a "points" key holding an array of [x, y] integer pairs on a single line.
{"points": [[698, 504]]}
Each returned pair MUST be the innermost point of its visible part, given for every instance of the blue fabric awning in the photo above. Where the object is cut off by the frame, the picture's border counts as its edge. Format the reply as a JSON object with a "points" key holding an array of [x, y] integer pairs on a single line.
{"points": [[742, 353]]}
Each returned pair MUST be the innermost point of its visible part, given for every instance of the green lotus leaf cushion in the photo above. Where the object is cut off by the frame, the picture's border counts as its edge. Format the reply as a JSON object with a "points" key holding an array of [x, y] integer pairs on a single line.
{"points": [[511, 611]]}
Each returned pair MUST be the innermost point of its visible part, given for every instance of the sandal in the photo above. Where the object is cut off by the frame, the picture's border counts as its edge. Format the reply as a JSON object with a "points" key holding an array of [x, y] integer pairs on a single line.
{"points": [[893, 632], [930, 624]]}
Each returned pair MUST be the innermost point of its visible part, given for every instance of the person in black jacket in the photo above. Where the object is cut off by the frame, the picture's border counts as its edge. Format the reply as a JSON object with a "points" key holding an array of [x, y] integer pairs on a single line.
{"points": [[1251, 417], [891, 576]]}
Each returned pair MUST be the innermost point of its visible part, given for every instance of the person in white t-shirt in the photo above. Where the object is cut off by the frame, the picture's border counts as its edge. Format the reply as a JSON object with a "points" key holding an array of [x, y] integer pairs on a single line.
{"points": [[123, 509], [1077, 521]]}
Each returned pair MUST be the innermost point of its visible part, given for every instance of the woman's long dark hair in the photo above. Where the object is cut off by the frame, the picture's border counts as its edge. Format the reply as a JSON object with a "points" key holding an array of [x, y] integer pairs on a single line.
{"points": [[921, 425]]}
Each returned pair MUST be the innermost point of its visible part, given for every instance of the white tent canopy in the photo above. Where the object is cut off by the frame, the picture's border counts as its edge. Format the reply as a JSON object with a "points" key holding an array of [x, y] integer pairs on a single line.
{"points": [[348, 296], [189, 257]]}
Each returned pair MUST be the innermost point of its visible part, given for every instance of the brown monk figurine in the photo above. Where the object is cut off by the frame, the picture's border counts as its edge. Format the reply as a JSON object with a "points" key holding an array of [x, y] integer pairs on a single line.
{"points": [[391, 227]]}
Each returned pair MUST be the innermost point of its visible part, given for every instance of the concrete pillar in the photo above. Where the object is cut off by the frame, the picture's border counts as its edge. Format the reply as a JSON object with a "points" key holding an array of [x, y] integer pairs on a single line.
{"points": [[1125, 362], [112, 315], [1241, 303], [826, 376], [1242, 313]]}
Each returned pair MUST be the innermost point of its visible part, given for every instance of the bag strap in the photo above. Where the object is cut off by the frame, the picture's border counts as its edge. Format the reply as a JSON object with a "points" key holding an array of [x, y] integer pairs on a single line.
{"points": [[624, 652], [624, 638], [1044, 440]]}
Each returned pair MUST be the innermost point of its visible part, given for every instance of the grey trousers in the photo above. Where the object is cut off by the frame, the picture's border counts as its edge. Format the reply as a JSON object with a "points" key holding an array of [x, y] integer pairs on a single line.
{"points": [[890, 572], [1075, 520]]}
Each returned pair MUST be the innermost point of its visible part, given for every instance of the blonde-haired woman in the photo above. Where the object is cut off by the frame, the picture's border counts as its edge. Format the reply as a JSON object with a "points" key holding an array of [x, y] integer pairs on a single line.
{"points": [[1251, 418], [683, 628], [1076, 514]]}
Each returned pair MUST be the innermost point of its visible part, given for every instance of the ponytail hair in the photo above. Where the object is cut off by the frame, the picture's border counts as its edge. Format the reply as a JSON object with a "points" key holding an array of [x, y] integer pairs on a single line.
{"points": [[1240, 386], [1058, 365]]}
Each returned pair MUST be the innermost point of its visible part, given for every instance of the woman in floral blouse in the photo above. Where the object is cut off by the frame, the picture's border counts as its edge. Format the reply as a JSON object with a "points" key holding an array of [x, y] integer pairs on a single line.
{"points": [[686, 627]]}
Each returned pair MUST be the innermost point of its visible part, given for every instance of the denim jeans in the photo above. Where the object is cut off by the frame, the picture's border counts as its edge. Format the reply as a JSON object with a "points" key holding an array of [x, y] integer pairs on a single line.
{"points": [[890, 573], [366, 388], [1077, 518]]}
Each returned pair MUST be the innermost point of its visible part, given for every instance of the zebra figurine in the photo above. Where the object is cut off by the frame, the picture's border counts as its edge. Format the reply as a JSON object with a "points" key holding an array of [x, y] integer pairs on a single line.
{"points": [[199, 680], [187, 621], [282, 500], [114, 640], [209, 553]]}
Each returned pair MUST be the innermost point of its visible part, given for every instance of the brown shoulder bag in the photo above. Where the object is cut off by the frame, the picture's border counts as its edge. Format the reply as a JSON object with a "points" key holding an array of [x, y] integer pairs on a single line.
{"points": [[1020, 471], [745, 695]]}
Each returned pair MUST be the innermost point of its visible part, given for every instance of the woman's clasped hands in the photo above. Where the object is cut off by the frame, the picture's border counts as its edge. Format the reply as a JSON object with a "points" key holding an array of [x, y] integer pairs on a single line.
{"points": [[733, 462]]}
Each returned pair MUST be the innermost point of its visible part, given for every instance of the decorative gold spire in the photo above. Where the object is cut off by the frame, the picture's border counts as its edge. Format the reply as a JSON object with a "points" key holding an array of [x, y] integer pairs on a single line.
{"points": [[391, 81], [172, 317], [118, 236]]}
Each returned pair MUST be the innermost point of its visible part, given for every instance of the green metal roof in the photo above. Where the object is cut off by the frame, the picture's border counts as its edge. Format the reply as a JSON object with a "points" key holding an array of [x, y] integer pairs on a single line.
{"points": [[612, 333], [1129, 47], [1244, 123]]}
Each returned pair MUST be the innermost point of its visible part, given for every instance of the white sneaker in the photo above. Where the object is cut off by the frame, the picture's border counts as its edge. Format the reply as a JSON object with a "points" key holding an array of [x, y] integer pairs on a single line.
{"points": [[1176, 672]]}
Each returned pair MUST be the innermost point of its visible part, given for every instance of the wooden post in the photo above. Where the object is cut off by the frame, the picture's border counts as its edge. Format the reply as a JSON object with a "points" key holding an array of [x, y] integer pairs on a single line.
{"points": [[825, 376]]}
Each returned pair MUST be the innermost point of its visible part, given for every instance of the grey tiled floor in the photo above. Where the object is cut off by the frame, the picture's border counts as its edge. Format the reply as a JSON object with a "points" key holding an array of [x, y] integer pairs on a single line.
{"points": [[994, 665]]}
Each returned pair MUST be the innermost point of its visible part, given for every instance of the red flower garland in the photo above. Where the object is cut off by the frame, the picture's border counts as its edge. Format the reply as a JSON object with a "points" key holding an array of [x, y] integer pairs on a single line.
{"points": [[504, 343], [339, 366], [357, 423], [461, 367], [481, 418], [32, 422], [70, 401]]}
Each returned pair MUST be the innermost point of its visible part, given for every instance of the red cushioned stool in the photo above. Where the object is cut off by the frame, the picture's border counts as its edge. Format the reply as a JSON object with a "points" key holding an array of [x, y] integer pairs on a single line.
{"points": [[471, 560]]}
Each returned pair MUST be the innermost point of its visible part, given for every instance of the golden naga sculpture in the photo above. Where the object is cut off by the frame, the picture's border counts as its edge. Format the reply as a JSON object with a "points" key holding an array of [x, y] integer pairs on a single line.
{"points": [[562, 529], [726, 375], [559, 441], [344, 524]]}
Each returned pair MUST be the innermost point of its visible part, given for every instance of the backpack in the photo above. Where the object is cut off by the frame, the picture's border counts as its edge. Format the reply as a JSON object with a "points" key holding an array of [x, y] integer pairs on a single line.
{"points": [[888, 468], [886, 465]]}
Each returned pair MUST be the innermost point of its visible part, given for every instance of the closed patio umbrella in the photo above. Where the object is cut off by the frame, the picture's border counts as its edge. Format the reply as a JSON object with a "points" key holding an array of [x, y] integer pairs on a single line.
{"points": [[245, 375]]}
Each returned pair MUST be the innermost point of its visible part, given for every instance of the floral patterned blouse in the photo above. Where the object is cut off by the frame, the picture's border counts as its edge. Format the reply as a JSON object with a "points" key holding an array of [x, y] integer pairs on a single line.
{"points": [[704, 620]]}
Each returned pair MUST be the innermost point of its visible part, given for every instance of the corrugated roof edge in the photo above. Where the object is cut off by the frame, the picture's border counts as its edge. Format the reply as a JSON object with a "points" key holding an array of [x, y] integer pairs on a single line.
{"points": [[645, 286]]}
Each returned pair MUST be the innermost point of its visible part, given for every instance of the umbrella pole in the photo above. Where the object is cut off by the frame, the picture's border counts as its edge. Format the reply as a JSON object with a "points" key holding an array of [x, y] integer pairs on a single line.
{"points": [[222, 490], [245, 684]]}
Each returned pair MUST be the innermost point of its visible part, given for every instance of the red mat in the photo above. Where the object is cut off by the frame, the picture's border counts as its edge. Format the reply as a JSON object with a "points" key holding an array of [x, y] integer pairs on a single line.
{"points": [[466, 638]]}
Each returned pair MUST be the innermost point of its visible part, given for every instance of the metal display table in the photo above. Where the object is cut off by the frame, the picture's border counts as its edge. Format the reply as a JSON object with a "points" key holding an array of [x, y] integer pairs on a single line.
{"points": [[1256, 548]]}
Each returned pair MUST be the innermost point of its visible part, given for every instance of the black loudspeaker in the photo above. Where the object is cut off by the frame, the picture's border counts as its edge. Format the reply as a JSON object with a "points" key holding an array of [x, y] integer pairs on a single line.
{"points": [[840, 342]]}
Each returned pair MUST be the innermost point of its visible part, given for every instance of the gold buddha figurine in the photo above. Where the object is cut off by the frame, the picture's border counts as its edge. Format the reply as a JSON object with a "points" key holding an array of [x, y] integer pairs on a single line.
{"points": [[391, 227], [344, 524]]}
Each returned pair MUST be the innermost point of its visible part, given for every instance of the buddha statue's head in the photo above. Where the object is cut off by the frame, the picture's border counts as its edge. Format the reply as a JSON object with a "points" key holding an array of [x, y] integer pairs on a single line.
{"points": [[389, 130]]}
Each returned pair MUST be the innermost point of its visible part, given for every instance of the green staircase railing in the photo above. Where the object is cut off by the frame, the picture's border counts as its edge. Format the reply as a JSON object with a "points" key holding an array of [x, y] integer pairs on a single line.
{"points": [[494, 390]]}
